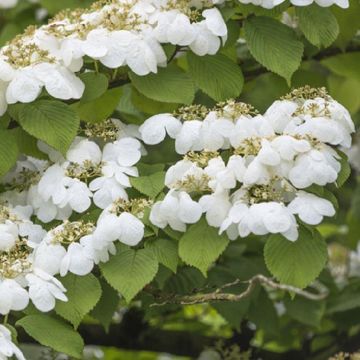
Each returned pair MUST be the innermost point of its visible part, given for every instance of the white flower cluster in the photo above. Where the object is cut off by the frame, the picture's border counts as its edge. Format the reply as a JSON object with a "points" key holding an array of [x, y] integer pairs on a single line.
{"points": [[269, 4], [115, 33], [248, 172], [93, 175], [20, 278]]}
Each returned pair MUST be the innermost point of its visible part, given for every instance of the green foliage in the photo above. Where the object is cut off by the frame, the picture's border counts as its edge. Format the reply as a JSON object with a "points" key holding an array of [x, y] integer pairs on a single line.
{"points": [[106, 306], [169, 85], [54, 6], [166, 252], [50, 121], [345, 170], [150, 185], [348, 20], [54, 333], [95, 85], [274, 45], [318, 24], [308, 312], [130, 270], [83, 293], [346, 65], [201, 245], [217, 76], [296, 263], [321, 49], [8, 151], [101, 108]]}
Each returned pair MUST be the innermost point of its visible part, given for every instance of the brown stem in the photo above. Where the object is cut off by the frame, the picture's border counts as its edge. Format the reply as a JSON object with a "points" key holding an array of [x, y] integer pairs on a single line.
{"points": [[218, 295]]}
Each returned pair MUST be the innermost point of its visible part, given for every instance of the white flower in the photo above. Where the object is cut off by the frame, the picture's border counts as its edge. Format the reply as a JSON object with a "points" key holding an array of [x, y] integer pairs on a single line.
{"points": [[189, 137], [126, 228], [107, 231], [12, 297], [261, 219], [176, 210], [44, 289], [78, 260], [98, 255], [125, 152], [7, 348], [46, 211], [82, 150], [59, 82], [279, 114], [64, 191], [154, 129], [216, 206], [6, 4], [247, 127], [205, 42], [174, 28], [221, 177], [208, 33], [327, 121], [311, 208], [215, 132], [315, 167], [288, 147], [181, 171], [144, 55], [108, 47], [215, 22], [324, 3], [257, 173], [9, 234], [48, 256], [107, 188], [267, 4]]}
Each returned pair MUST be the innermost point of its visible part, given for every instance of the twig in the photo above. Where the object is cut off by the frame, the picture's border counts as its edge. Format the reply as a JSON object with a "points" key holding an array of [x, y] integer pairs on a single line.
{"points": [[218, 295]]}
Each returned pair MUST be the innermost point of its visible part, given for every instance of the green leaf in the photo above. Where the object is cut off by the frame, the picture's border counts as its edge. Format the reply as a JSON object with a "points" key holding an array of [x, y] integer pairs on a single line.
{"points": [[26, 143], [318, 24], [348, 299], [151, 185], [296, 263], [308, 312], [52, 332], [348, 20], [95, 85], [130, 270], [345, 91], [166, 251], [146, 169], [149, 106], [345, 171], [217, 76], [8, 32], [55, 6], [51, 121], [83, 293], [346, 65], [185, 281], [107, 305], [262, 91], [9, 151], [274, 45], [170, 84], [101, 108], [201, 245], [263, 314]]}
